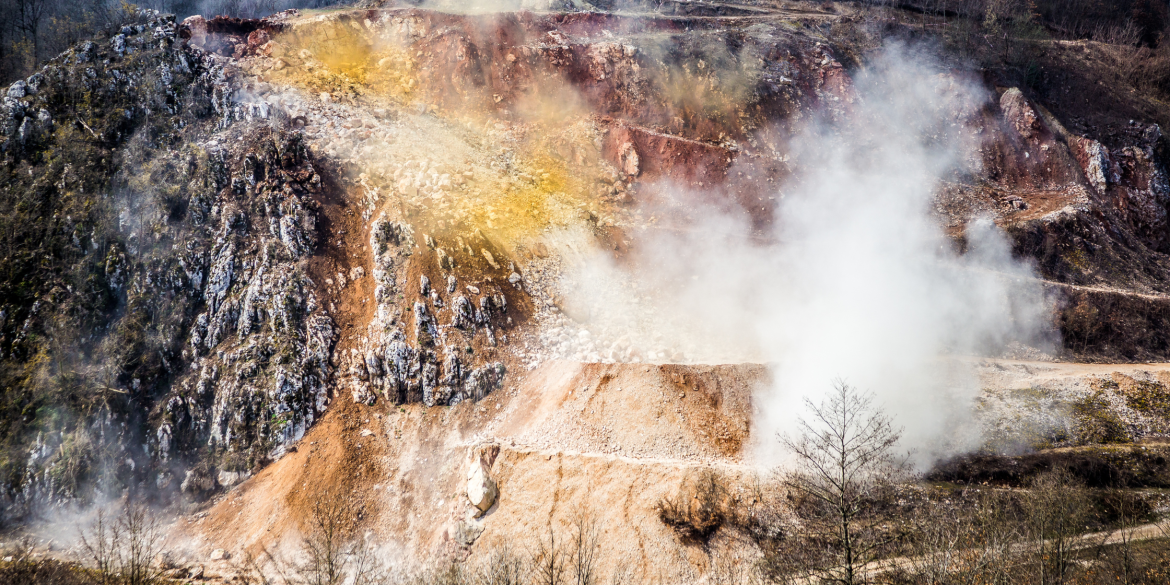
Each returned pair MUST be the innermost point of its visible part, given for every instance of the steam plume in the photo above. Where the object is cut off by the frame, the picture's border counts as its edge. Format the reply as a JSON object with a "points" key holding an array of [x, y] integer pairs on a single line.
{"points": [[855, 280]]}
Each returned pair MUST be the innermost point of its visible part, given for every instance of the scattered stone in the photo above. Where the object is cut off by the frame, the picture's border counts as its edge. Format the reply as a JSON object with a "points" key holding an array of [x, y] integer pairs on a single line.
{"points": [[164, 560], [491, 260], [197, 483], [445, 261], [465, 532], [464, 317], [1020, 114], [631, 163]]}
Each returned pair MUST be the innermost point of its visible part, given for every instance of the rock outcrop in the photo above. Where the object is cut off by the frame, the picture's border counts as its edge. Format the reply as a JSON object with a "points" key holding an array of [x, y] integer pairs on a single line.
{"points": [[167, 320]]}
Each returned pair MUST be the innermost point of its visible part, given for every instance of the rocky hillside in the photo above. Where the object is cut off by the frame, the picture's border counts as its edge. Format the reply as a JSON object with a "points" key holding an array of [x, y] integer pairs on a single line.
{"points": [[214, 230]]}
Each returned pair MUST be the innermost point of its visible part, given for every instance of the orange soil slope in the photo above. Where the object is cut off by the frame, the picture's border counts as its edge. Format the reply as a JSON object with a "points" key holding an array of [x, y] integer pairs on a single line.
{"points": [[611, 440]]}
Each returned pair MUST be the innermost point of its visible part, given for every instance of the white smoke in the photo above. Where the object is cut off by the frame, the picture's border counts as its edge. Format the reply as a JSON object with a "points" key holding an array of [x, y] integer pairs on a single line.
{"points": [[856, 280]]}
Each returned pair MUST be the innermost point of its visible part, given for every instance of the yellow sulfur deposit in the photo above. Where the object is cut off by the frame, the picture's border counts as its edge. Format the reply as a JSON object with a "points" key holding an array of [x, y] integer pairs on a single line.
{"points": [[343, 61]]}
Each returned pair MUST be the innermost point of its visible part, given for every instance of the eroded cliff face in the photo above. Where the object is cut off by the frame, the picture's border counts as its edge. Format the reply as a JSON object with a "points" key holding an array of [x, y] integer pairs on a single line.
{"points": [[104, 186], [639, 121], [257, 351], [184, 327], [216, 229]]}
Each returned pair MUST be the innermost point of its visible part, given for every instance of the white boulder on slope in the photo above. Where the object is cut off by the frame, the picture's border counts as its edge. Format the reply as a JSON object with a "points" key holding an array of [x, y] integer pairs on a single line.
{"points": [[481, 488]]}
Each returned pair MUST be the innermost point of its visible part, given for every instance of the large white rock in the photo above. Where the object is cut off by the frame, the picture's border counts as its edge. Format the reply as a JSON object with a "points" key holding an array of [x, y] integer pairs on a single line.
{"points": [[228, 479], [481, 489]]}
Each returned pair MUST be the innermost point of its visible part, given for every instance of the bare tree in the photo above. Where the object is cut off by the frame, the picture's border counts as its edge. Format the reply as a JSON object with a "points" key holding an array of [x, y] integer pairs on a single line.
{"points": [[550, 561], [331, 554], [502, 567], [844, 456], [143, 542], [1056, 509], [326, 547], [29, 14], [623, 571], [1122, 558], [98, 544], [122, 551], [966, 547], [585, 542]]}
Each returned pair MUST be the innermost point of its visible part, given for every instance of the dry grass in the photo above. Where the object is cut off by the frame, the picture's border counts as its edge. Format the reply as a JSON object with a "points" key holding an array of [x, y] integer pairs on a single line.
{"points": [[28, 568]]}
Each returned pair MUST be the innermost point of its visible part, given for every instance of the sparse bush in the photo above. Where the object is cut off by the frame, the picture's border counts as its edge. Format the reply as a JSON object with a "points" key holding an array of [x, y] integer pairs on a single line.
{"points": [[1149, 397], [448, 572], [1116, 507], [502, 567], [557, 559], [698, 510], [1095, 467], [1123, 560], [28, 568], [959, 544], [623, 572], [1097, 422], [760, 517], [731, 565]]}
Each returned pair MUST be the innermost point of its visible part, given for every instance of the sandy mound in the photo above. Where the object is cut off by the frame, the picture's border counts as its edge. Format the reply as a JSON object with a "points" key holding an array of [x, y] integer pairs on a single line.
{"points": [[608, 440]]}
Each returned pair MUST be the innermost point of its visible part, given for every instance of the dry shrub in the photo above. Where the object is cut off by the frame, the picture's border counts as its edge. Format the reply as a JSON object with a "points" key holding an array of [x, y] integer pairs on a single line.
{"points": [[28, 568], [1098, 423], [1149, 397], [448, 573], [698, 510], [1126, 34], [1146, 69], [503, 567], [761, 516], [734, 564]]}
